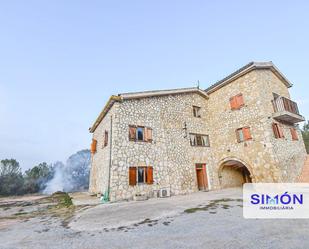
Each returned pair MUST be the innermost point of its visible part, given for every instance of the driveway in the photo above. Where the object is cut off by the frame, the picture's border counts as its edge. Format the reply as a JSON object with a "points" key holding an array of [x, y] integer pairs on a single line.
{"points": [[200, 220]]}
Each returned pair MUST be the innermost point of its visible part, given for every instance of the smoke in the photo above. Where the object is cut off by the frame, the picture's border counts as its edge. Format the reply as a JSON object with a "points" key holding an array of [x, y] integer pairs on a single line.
{"points": [[72, 176], [57, 183]]}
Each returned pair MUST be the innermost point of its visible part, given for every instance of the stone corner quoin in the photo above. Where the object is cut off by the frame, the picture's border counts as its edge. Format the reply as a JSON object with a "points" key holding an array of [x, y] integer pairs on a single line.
{"points": [[241, 129]]}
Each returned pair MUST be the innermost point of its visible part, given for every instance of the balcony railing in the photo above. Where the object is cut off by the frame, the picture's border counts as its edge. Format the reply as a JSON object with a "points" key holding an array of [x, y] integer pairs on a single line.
{"points": [[286, 110], [284, 104]]}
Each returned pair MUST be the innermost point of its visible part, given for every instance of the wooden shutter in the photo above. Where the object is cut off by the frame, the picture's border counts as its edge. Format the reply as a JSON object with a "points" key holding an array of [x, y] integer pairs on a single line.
{"points": [[132, 176], [247, 134], [93, 148], [148, 134], [105, 138], [276, 130], [132, 132], [280, 130], [233, 103], [237, 135], [239, 100], [294, 134], [149, 175]]}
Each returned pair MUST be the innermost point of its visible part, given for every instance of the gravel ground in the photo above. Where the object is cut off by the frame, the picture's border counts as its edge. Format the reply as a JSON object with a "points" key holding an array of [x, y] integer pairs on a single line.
{"points": [[201, 220]]}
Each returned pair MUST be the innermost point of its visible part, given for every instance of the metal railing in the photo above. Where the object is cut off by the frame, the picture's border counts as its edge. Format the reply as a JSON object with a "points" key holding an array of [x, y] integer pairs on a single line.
{"points": [[284, 104]]}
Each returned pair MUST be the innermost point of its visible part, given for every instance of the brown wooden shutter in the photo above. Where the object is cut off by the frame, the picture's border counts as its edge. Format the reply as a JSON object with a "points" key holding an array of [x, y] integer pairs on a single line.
{"points": [[280, 130], [148, 134], [149, 175], [132, 132], [237, 135], [105, 138], [93, 148], [233, 103], [294, 134], [276, 130], [247, 134], [132, 176], [239, 100]]}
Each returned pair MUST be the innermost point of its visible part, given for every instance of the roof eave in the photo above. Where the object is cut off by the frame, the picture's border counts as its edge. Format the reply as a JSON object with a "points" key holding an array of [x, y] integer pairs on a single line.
{"points": [[251, 66], [148, 94], [105, 110]]}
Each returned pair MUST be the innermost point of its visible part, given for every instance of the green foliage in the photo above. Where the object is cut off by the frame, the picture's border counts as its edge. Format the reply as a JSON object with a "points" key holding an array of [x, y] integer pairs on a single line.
{"points": [[36, 177], [63, 199], [75, 176], [77, 168], [305, 133], [11, 179]]}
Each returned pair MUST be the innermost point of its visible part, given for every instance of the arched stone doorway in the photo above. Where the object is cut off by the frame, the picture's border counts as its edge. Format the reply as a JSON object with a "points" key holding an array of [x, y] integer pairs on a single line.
{"points": [[233, 173]]}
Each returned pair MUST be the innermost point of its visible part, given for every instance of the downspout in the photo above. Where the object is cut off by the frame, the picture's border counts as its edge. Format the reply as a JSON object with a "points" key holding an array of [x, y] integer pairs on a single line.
{"points": [[110, 159], [105, 198]]}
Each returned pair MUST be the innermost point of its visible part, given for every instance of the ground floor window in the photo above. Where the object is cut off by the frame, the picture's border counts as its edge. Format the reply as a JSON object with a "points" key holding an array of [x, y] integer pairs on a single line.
{"points": [[140, 175]]}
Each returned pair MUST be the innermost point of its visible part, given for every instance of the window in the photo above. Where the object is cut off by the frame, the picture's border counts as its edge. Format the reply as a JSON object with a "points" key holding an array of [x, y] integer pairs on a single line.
{"points": [[140, 175], [105, 138], [140, 133], [243, 134], [237, 102], [294, 134], [196, 111], [93, 147], [277, 129], [199, 140]]}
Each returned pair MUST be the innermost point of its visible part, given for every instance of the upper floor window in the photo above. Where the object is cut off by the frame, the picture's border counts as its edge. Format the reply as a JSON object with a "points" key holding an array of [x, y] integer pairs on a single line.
{"points": [[140, 133], [243, 134], [278, 131], [105, 138], [236, 102], [196, 111], [199, 140], [294, 134]]}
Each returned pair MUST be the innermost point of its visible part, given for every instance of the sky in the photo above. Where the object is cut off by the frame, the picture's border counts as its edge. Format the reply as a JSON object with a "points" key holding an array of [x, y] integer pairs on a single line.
{"points": [[61, 60]]}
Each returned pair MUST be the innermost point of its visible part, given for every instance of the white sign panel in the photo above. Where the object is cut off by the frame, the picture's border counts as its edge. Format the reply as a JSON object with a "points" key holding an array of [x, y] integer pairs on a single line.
{"points": [[276, 200]]}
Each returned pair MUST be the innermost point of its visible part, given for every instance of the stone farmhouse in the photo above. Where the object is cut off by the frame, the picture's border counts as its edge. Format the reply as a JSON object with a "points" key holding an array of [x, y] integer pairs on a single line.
{"points": [[169, 142]]}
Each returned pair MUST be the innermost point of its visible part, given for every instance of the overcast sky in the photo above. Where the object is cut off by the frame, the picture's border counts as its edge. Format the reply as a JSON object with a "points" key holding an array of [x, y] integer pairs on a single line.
{"points": [[61, 60]]}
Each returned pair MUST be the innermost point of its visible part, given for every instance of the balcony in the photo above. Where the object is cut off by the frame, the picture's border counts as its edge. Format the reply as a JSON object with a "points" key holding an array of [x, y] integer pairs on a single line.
{"points": [[286, 110]]}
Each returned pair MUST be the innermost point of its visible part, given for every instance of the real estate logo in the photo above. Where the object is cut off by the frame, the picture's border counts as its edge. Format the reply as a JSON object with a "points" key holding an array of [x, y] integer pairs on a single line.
{"points": [[276, 200]]}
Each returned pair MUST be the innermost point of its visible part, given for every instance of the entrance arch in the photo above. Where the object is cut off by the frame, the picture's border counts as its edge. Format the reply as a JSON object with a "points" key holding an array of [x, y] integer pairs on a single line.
{"points": [[234, 173]]}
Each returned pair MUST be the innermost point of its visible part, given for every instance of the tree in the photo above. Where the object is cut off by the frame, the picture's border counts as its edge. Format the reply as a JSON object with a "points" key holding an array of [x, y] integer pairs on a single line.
{"points": [[305, 133], [71, 177], [77, 167], [37, 177], [11, 179]]}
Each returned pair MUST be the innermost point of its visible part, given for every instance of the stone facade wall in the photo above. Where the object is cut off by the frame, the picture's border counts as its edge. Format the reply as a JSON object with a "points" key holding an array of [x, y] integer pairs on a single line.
{"points": [[257, 154], [100, 161], [231, 177], [173, 158], [170, 153], [289, 155]]}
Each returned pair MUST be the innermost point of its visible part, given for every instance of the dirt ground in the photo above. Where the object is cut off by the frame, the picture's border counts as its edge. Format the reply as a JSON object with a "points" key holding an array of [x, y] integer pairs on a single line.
{"points": [[200, 220]]}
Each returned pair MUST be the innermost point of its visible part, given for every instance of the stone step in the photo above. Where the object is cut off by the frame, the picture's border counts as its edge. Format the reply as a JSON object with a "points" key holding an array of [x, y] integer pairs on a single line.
{"points": [[304, 176]]}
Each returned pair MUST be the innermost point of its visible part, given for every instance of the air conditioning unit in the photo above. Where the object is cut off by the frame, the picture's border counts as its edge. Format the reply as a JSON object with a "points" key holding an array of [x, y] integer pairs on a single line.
{"points": [[164, 192]]}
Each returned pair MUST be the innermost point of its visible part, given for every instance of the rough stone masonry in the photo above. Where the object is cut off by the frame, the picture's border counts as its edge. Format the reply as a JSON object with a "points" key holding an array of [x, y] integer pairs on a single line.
{"points": [[241, 129]]}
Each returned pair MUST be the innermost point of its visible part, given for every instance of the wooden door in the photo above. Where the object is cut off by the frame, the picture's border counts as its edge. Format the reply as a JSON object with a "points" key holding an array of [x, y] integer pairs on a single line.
{"points": [[202, 182]]}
